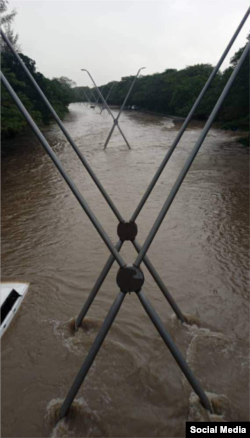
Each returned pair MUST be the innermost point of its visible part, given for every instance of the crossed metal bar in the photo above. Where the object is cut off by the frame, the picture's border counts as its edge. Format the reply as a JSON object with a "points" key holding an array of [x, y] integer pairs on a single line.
{"points": [[149, 265], [130, 278], [87, 97], [80, 95], [93, 96], [115, 119], [134, 216], [107, 97]]}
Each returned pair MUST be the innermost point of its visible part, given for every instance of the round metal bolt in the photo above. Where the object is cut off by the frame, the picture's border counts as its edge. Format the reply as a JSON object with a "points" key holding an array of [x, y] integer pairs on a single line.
{"points": [[130, 278], [127, 231]]}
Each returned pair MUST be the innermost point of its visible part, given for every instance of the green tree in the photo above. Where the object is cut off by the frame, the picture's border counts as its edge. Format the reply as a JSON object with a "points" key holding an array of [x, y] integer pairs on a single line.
{"points": [[6, 22], [235, 110], [174, 92]]}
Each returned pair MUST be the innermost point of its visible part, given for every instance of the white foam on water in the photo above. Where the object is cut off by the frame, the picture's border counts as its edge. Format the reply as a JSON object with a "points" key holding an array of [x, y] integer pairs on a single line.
{"points": [[62, 331], [198, 332], [61, 430], [222, 351], [197, 412], [74, 341], [79, 413], [169, 124]]}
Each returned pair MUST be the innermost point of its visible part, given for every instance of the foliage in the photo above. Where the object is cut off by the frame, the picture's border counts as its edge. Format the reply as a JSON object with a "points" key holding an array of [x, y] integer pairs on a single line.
{"points": [[173, 92], [6, 22], [235, 111], [58, 93], [58, 90]]}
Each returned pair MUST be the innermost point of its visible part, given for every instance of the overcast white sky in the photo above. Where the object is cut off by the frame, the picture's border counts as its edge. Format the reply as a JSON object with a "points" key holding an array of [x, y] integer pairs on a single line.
{"points": [[115, 38]]}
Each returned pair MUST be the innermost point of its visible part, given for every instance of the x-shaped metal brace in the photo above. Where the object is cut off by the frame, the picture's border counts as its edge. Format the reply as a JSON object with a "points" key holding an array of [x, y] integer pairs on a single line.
{"points": [[130, 278], [87, 97], [81, 96], [107, 97], [115, 119]]}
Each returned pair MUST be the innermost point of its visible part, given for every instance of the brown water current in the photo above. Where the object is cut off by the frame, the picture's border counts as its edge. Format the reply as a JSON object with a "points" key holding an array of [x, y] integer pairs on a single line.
{"points": [[135, 388]]}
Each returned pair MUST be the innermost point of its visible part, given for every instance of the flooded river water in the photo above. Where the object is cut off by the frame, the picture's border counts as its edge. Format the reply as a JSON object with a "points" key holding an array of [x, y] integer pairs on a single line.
{"points": [[135, 388]]}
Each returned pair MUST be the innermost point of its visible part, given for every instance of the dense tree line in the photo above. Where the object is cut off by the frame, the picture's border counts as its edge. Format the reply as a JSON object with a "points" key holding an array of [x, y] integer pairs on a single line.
{"points": [[173, 92], [57, 90]]}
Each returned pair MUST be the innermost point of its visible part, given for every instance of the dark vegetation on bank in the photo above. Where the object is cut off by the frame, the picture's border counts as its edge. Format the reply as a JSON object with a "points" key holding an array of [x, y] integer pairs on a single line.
{"points": [[57, 90], [172, 92]]}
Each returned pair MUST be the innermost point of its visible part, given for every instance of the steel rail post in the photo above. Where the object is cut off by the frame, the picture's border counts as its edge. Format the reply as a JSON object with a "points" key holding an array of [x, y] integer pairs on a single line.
{"points": [[86, 96], [103, 333], [107, 97], [90, 101], [96, 94], [122, 133], [129, 91], [137, 211], [121, 109], [109, 111], [64, 130], [96, 287], [188, 119], [99, 96], [67, 179], [98, 91], [105, 272], [92, 354], [79, 95], [114, 209], [174, 350], [92, 94], [190, 160], [115, 120], [160, 284]]}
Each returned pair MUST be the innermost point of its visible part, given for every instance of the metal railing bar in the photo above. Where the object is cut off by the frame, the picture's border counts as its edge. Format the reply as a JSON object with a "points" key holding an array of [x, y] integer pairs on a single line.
{"points": [[94, 97], [128, 93], [174, 350], [109, 111], [190, 160], [120, 218], [101, 337], [137, 246], [86, 96], [188, 119], [107, 97], [65, 132], [92, 354], [121, 109], [160, 283], [67, 179], [96, 287], [105, 272]]}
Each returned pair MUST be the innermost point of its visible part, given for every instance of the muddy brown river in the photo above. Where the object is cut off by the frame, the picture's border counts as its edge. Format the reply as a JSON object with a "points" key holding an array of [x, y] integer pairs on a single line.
{"points": [[135, 388]]}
